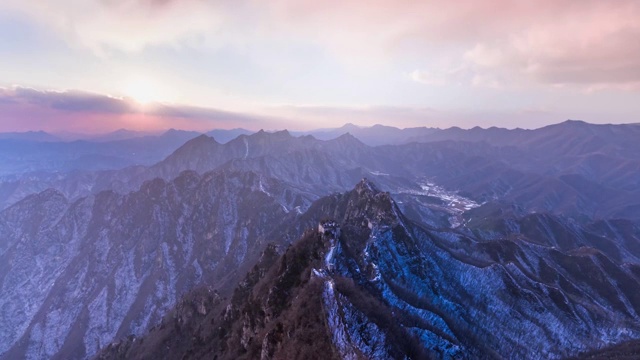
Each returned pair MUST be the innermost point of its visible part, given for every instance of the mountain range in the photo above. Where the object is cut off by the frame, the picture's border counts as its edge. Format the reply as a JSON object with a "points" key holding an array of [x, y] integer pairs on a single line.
{"points": [[479, 243], [389, 288], [123, 260]]}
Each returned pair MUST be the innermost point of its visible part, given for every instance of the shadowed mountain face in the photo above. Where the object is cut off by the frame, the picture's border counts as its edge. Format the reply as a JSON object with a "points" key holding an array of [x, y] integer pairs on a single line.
{"points": [[379, 286], [76, 275], [629, 350]]}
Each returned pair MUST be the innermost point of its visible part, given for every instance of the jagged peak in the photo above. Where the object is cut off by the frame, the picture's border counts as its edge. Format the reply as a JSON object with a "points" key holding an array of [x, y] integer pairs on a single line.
{"points": [[258, 134], [282, 133], [366, 185], [348, 138], [346, 135], [201, 138], [369, 201], [200, 141], [276, 134]]}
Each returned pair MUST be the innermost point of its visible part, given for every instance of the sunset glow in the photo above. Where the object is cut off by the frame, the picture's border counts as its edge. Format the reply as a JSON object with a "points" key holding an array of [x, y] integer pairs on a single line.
{"points": [[306, 64], [142, 91]]}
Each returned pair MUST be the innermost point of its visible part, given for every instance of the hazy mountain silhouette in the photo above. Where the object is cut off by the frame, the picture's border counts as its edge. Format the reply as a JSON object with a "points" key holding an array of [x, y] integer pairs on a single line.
{"points": [[374, 135]]}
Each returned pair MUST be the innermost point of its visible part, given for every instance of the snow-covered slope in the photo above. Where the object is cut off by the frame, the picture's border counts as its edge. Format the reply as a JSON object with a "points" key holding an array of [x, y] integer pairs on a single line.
{"points": [[381, 286], [74, 276]]}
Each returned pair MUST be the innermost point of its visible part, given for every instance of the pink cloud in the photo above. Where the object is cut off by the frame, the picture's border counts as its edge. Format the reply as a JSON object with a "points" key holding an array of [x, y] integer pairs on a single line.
{"points": [[586, 43], [24, 109], [492, 42]]}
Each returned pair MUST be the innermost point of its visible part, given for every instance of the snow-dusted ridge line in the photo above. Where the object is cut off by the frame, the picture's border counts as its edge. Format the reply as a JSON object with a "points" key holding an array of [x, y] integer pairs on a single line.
{"points": [[342, 317]]}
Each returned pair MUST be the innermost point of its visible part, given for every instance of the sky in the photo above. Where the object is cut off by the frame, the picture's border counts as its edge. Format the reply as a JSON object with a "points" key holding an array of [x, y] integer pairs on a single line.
{"points": [[100, 65]]}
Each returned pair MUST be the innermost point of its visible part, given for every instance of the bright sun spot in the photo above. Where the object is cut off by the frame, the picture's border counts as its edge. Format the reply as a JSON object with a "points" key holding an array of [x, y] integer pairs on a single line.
{"points": [[142, 91]]}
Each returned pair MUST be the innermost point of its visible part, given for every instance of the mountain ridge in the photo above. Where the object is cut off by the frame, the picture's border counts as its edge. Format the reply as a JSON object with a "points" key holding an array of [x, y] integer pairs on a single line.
{"points": [[126, 258], [374, 269]]}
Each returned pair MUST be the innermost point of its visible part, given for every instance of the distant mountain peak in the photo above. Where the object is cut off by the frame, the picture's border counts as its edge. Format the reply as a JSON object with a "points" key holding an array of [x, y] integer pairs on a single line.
{"points": [[350, 126], [30, 136], [201, 138], [181, 133], [347, 135], [571, 121], [224, 136], [197, 142], [571, 125], [282, 133], [348, 138], [260, 134]]}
